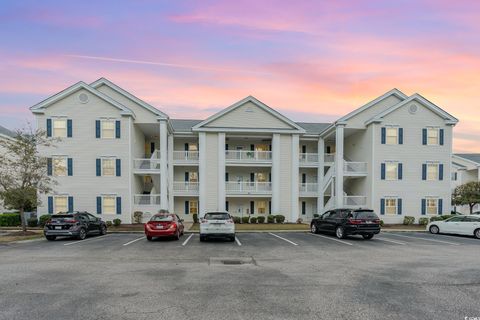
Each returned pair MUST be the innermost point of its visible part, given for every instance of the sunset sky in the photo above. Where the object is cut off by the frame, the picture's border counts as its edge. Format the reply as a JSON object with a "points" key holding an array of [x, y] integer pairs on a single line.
{"points": [[313, 61]]}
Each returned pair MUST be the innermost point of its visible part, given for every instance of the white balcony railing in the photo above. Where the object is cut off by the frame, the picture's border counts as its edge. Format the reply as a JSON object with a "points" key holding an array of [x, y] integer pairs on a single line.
{"points": [[185, 156], [329, 157], [356, 201], [146, 199], [308, 187], [248, 187], [248, 156], [185, 186], [355, 167], [308, 158], [146, 164]]}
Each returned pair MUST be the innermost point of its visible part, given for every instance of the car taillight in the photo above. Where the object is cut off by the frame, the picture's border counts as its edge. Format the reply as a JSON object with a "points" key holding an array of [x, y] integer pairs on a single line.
{"points": [[230, 221], [355, 221], [377, 221], [71, 221], [173, 226]]}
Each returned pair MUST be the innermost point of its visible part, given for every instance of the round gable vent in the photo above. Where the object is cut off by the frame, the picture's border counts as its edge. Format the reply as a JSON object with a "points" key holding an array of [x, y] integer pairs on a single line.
{"points": [[413, 109], [83, 97]]}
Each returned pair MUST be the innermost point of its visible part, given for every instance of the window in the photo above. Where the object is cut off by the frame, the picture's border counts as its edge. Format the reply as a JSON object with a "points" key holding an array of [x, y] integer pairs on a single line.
{"points": [[260, 177], [454, 176], [193, 177], [432, 171], [261, 207], [432, 136], [193, 208], [192, 147], [91, 217], [59, 166], [391, 206], [61, 204], [59, 128], [108, 129], [391, 170], [108, 204], [108, 167], [432, 206], [392, 135]]}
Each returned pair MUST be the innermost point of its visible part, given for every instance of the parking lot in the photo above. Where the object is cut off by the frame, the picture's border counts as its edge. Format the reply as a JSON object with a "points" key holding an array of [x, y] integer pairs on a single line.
{"points": [[259, 276]]}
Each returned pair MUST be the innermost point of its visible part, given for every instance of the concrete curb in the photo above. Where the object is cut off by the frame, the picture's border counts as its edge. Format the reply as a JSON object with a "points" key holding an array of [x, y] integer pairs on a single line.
{"points": [[262, 231]]}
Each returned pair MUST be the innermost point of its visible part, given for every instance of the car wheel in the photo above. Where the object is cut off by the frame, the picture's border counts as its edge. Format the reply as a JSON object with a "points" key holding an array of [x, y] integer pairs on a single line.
{"points": [[434, 229], [103, 230], [50, 238], [340, 232], [232, 238], [82, 234], [367, 236], [202, 238], [313, 228], [476, 233], [149, 238]]}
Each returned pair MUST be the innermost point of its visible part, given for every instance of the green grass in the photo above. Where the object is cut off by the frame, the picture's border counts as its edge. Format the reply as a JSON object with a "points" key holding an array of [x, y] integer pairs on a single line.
{"points": [[263, 226]]}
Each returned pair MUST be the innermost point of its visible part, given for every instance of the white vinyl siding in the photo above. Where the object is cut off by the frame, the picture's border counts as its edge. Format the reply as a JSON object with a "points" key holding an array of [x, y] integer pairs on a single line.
{"points": [[109, 204], [59, 128], [59, 165], [61, 204]]}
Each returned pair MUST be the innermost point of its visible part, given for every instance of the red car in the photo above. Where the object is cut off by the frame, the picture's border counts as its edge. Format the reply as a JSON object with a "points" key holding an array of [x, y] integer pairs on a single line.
{"points": [[164, 225]]}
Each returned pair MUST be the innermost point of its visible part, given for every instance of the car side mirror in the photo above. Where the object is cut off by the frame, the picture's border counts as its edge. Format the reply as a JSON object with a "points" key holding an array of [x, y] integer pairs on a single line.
{"points": [[181, 220]]}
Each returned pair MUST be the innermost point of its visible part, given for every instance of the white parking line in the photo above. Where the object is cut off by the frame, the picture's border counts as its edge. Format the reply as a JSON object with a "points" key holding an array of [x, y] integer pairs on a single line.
{"points": [[392, 241], [432, 240], [86, 240], [273, 234], [238, 242], [130, 242], [330, 238], [186, 241]]}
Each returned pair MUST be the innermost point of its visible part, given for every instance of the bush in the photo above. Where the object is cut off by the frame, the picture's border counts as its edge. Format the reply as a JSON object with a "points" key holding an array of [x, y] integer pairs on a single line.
{"points": [[316, 215], [439, 218], [117, 222], [253, 220], [32, 222], [236, 219], [299, 220], [280, 218], [10, 220], [137, 216], [43, 219], [381, 223], [261, 219], [423, 221], [245, 219], [445, 217], [408, 220], [271, 219], [195, 218], [108, 223]]}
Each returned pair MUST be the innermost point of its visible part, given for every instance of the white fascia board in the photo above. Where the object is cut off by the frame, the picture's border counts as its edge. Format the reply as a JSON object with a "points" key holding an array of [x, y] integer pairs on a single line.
{"points": [[247, 130], [465, 159]]}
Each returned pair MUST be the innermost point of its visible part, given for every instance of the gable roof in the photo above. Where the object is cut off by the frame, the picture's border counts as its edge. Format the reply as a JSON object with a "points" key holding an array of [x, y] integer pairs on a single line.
{"points": [[5, 132], [393, 92], [449, 119], [39, 107], [183, 125], [472, 157], [125, 93], [276, 114], [313, 128]]}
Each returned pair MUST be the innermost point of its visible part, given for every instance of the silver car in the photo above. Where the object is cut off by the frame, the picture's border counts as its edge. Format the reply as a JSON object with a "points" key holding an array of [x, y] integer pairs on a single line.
{"points": [[217, 225]]}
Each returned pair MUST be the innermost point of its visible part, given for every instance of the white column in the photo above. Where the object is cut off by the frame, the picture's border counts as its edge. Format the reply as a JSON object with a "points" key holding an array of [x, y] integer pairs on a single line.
{"points": [[339, 163], [171, 203], [163, 165], [276, 173], [320, 173], [295, 174], [202, 179], [221, 171]]}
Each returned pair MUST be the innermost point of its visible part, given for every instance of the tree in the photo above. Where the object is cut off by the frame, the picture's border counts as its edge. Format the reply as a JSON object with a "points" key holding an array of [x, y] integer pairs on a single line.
{"points": [[23, 172], [467, 194]]}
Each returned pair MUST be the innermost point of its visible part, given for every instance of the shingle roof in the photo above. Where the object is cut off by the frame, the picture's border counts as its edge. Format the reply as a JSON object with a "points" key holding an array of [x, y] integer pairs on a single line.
{"points": [[475, 157], [458, 164], [313, 128], [183, 125], [6, 132]]}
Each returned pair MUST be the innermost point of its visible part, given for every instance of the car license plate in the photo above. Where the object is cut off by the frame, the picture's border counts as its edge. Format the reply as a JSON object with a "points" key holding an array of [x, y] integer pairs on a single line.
{"points": [[368, 222], [159, 226], [58, 228]]}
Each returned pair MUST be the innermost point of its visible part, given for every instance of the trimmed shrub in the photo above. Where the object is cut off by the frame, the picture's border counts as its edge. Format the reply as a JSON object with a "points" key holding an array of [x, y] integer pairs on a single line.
{"points": [[246, 219], [446, 216], [32, 222], [236, 219], [137, 216], [108, 223], [316, 215], [10, 220], [43, 219], [381, 223], [270, 219], [117, 222], [408, 220], [423, 221], [261, 219], [195, 217], [299, 220], [438, 218], [253, 220], [280, 218]]}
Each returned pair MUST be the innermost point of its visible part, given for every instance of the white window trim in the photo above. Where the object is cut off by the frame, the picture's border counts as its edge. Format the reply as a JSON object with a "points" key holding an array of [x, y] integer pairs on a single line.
{"points": [[63, 118], [436, 205], [396, 205], [53, 164], [396, 127], [102, 120], [437, 164], [55, 202], [114, 196], [114, 165], [396, 170], [438, 136]]}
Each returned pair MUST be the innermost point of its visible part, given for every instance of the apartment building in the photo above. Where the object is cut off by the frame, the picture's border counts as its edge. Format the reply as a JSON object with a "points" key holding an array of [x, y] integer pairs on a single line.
{"points": [[119, 155], [4, 134], [465, 168]]}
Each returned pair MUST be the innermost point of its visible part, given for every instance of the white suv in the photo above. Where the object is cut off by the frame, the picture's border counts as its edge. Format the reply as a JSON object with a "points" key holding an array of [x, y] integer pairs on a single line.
{"points": [[217, 224]]}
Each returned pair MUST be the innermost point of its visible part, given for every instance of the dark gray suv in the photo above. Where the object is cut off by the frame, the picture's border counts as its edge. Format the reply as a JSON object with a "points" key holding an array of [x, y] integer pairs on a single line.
{"points": [[75, 224]]}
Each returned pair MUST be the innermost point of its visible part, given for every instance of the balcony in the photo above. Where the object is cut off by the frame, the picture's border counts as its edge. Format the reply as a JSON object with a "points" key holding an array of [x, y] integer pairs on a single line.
{"points": [[351, 168], [308, 189], [248, 188], [329, 158], [355, 201], [185, 188], [146, 199], [146, 166], [248, 157], [308, 159], [185, 157]]}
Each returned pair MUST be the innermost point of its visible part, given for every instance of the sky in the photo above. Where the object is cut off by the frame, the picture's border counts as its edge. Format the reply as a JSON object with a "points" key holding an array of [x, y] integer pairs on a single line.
{"points": [[313, 61]]}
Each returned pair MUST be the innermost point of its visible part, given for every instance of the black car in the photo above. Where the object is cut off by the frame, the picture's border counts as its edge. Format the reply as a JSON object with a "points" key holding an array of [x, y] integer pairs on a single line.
{"points": [[75, 224], [344, 222]]}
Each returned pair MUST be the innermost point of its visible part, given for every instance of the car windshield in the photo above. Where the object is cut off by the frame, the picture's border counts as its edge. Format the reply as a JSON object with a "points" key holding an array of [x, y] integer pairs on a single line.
{"points": [[365, 215], [162, 218], [62, 216], [217, 216]]}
